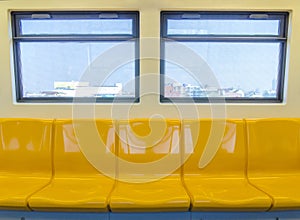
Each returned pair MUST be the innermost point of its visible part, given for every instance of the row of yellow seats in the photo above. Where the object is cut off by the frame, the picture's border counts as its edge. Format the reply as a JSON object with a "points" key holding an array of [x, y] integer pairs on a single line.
{"points": [[255, 166]]}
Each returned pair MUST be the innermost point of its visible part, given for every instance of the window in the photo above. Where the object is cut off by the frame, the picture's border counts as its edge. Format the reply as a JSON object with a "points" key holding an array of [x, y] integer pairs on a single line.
{"points": [[232, 56], [87, 55]]}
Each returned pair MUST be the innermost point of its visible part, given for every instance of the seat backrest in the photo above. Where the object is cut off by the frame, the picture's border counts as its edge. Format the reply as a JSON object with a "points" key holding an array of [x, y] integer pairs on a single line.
{"points": [[25, 147], [226, 138], [75, 141], [273, 146], [148, 148]]}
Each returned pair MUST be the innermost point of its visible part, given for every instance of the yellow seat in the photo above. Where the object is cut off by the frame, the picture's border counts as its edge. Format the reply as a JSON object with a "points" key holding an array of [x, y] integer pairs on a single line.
{"points": [[149, 168], [274, 160], [221, 185], [25, 160], [77, 185]]}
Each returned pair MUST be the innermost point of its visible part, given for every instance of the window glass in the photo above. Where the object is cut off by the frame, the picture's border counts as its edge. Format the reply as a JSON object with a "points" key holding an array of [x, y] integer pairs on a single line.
{"points": [[237, 68], [76, 26], [223, 27], [56, 69]]}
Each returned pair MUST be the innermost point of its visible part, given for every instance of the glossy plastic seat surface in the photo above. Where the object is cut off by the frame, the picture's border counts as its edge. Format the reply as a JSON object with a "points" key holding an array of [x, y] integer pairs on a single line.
{"points": [[146, 186], [25, 160], [77, 185], [222, 184], [274, 160]]}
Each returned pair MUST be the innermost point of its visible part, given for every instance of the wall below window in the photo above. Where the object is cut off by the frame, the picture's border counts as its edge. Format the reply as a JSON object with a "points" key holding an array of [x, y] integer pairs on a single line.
{"points": [[150, 105]]}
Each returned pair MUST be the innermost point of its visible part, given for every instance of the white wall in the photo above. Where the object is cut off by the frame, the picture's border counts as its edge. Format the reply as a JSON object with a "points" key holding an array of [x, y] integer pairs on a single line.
{"points": [[150, 27]]}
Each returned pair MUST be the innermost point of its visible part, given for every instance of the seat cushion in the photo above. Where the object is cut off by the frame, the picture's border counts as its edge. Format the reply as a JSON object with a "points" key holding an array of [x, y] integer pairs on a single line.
{"points": [[163, 195], [69, 194], [285, 190], [14, 190], [225, 194]]}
